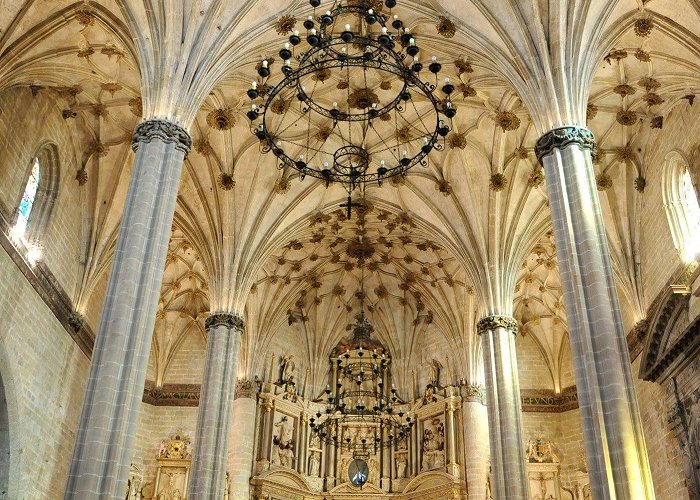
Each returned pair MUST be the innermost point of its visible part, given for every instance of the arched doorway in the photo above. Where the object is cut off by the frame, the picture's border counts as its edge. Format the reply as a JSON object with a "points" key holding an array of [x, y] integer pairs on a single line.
{"points": [[4, 444]]}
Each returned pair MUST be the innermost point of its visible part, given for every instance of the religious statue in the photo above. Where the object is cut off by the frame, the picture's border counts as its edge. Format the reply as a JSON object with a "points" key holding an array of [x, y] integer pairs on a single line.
{"points": [[314, 464], [429, 395], [434, 373], [290, 390], [283, 447], [434, 445], [344, 469], [401, 466], [287, 369]]}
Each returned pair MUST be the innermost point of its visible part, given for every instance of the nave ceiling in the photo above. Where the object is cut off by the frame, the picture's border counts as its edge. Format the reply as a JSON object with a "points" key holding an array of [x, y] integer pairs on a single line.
{"points": [[452, 240]]}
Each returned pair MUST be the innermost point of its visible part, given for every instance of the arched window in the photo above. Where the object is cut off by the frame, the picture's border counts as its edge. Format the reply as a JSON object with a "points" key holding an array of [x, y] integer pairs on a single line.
{"points": [[682, 207], [38, 197]]}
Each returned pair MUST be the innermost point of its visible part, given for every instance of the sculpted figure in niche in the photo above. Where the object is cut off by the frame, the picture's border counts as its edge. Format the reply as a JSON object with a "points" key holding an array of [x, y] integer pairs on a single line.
{"points": [[401, 466], [373, 471], [344, 469], [434, 445], [283, 447], [287, 368], [314, 464], [434, 373]]}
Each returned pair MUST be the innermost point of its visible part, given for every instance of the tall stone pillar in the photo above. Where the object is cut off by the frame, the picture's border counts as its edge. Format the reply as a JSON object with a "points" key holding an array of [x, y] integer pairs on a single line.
{"points": [[242, 439], [617, 458], [476, 442], [450, 424], [505, 416], [104, 442], [210, 460]]}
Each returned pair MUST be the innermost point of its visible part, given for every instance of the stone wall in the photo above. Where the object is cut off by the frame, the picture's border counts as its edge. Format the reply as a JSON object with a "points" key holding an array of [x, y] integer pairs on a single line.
{"points": [[44, 374]]}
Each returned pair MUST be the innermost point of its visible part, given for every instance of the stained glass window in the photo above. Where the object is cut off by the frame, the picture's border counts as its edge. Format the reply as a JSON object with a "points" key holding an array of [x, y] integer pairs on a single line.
{"points": [[25, 206]]}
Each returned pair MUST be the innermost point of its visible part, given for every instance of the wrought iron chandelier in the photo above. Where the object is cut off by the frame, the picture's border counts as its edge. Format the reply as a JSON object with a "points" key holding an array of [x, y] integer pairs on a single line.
{"points": [[352, 106], [361, 399]]}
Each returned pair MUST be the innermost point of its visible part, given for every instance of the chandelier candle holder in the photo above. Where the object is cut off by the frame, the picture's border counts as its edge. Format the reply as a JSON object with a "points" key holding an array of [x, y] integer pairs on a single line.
{"points": [[351, 104], [361, 400]]}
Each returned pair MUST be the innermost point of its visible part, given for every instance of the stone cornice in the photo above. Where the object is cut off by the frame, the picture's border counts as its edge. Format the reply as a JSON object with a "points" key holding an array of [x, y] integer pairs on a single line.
{"points": [[496, 321], [164, 131], [563, 137], [50, 291], [171, 394], [228, 320], [547, 401]]}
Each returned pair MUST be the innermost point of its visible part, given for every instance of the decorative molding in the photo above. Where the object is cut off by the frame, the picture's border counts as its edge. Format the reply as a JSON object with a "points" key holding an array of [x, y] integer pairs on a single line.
{"points": [[171, 394], [164, 131], [474, 393], [547, 401], [50, 291], [245, 388], [229, 320], [563, 137], [495, 321]]}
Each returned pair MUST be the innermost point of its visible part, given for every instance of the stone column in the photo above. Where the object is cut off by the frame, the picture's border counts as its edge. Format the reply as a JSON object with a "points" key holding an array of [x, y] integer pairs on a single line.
{"points": [[505, 416], [210, 458], [450, 424], [104, 441], [476, 442], [242, 439], [612, 429]]}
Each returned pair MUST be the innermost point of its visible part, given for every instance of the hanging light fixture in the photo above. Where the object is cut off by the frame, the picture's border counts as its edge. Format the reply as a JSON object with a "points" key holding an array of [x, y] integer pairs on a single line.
{"points": [[350, 102], [361, 399]]}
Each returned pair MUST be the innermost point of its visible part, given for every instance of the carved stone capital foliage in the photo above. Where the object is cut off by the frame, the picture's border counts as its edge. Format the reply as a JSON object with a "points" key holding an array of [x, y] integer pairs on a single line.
{"points": [[474, 393], [495, 321], [245, 388], [164, 131], [562, 137], [229, 320]]}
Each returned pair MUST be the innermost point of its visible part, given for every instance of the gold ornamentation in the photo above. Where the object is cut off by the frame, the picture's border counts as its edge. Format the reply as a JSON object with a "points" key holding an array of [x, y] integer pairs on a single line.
{"points": [[203, 147], [98, 149], [498, 182], [591, 111], [624, 153], [322, 75], [178, 447], [457, 140], [285, 24], [85, 17], [626, 117], [385, 85], [111, 87], [617, 54], [640, 183], [444, 187], [403, 134], [342, 85], [112, 50], [466, 90], [536, 178], [445, 27], [643, 26], [507, 120], [521, 153], [649, 84], [136, 106], [69, 92], [282, 185], [81, 176], [463, 66], [657, 122], [624, 90], [653, 99], [362, 99], [603, 181], [279, 106], [221, 119], [226, 181], [642, 55], [86, 52]]}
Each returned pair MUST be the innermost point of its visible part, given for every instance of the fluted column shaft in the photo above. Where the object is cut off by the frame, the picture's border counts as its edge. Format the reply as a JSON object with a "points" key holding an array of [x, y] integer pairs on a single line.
{"points": [[505, 416], [476, 442], [210, 459], [242, 439], [104, 442], [617, 459]]}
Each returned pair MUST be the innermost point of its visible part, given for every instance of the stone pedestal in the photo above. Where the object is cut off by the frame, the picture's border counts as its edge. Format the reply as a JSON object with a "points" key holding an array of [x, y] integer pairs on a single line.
{"points": [[612, 429], [104, 442], [509, 478]]}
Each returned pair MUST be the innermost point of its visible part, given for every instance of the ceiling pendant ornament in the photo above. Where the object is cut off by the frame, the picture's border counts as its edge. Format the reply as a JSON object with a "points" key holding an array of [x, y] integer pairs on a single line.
{"points": [[353, 100]]}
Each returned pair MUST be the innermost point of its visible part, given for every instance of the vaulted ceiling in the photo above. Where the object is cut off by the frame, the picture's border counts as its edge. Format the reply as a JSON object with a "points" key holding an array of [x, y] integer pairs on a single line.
{"points": [[257, 239]]}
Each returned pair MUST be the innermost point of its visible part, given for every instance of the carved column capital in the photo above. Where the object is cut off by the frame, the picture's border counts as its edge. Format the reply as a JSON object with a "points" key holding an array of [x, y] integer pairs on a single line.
{"points": [[245, 388], [495, 321], [164, 131], [474, 393], [562, 137], [229, 320]]}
